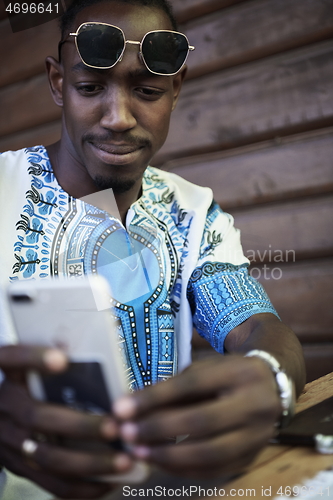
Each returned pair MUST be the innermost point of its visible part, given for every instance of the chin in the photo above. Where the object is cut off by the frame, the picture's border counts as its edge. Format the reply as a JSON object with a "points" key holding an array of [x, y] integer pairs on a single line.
{"points": [[118, 185]]}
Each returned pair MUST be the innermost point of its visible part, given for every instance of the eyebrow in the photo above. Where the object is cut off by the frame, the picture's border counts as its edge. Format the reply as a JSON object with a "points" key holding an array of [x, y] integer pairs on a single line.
{"points": [[136, 73], [79, 67], [142, 73]]}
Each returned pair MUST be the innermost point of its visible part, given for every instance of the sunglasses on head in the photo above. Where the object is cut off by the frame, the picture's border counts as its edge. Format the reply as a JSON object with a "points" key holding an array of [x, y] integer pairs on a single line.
{"points": [[102, 45]]}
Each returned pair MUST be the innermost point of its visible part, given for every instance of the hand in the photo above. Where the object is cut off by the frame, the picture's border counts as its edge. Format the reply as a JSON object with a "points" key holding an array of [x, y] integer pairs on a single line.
{"points": [[60, 470], [227, 405]]}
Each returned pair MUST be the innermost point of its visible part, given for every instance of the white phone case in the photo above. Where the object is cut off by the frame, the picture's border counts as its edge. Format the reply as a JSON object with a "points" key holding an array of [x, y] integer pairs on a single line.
{"points": [[74, 315]]}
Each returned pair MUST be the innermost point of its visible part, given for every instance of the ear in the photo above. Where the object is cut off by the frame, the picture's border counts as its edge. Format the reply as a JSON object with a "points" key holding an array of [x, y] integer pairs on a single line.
{"points": [[55, 73], [177, 85]]}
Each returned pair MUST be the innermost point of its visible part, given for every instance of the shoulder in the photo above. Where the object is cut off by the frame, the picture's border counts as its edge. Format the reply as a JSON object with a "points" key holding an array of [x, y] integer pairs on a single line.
{"points": [[12, 166], [21, 157], [186, 193], [12, 157], [15, 173]]}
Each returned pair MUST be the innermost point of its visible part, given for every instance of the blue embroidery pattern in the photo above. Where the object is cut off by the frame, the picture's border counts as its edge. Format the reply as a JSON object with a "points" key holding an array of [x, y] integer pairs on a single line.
{"points": [[210, 239], [40, 217], [221, 297]]}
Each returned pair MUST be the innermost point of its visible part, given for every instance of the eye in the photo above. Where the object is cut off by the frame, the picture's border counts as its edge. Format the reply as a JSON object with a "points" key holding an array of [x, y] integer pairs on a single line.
{"points": [[89, 89], [150, 93]]}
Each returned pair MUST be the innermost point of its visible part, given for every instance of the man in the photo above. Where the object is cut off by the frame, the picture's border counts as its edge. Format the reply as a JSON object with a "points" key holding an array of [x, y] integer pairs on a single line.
{"points": [[116, 110]]}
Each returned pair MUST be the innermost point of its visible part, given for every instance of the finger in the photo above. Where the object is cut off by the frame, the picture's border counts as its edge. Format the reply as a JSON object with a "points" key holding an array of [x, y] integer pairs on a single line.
{"points": [[221, 454], [221, 415], [14, 357], [59, 486], [64, 461], [16, 403], [70, 463], [201, 380]]}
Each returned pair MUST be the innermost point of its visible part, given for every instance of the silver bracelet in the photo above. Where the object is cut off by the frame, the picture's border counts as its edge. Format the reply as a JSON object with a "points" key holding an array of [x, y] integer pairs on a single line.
{"points": [[285, 385]]}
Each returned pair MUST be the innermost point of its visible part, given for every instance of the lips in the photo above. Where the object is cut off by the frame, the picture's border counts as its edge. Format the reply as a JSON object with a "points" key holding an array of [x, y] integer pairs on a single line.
{"points": [[117, 149], [116, 153]]}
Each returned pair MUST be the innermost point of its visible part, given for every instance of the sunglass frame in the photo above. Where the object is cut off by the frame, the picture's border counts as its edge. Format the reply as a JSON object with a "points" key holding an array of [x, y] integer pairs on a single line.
{"points": [[132, 42]]}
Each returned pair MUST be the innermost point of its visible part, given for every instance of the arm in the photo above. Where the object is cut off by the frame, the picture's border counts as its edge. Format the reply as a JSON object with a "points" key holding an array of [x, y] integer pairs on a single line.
{"points": [[228, 405], [267, 332]]}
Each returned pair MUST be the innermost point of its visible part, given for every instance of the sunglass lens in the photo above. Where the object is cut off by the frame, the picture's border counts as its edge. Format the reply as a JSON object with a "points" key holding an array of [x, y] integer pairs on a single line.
{"points": [[100, 45], [165, 52]]}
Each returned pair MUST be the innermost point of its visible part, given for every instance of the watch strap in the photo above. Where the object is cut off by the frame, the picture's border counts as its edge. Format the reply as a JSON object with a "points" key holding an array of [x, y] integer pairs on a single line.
{"points": [[285, 385]]}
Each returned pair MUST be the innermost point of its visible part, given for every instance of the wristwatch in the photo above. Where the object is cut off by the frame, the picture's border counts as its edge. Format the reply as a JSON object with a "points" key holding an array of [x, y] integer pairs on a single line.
{"points": [[285, 385]]}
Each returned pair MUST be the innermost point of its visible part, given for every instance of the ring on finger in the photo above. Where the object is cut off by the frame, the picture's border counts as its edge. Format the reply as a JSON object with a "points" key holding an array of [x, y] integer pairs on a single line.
{"points": [[29, 448]]}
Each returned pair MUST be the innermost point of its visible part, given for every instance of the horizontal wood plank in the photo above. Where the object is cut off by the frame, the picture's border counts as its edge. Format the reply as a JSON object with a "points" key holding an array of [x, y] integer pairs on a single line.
{"points": [[318, 360], [288, 93], [3, 13], [282, 168], [286, 232], [303, 298], [27, 104], [292, 467], [185, 10], [315, 392], [45, 134], [22, 54], [255, 29]]}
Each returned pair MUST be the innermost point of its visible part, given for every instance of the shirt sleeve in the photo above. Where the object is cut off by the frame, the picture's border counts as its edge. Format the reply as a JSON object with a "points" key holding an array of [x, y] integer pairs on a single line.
{"points": [[221, 293]]}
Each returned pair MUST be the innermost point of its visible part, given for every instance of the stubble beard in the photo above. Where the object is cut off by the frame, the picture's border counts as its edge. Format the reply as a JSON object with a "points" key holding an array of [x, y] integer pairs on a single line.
{"points": [[118, 186]]}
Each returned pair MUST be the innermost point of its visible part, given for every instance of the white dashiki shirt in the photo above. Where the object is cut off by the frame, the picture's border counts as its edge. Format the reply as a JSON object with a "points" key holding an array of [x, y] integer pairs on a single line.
{"points": [[178, 261]]}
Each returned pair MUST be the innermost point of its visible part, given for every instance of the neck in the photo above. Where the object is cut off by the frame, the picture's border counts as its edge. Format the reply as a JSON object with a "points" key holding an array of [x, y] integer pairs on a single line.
{"points": [[75, 180]]}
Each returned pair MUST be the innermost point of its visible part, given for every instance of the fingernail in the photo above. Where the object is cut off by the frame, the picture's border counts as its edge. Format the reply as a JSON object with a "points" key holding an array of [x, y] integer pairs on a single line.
{"points": [[55, 360], [124, 407], [122, 462], [141, 452], [108, 429], [129, 431]]}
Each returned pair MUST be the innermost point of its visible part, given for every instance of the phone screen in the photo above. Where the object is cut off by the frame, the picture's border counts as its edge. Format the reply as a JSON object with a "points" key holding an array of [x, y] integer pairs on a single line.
{"points": [[82, 388]]}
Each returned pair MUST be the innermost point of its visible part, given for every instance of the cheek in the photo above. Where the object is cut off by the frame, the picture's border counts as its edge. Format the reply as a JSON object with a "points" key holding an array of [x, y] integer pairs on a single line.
{"points": [[159, 122], [164, 127], [78, 116]]}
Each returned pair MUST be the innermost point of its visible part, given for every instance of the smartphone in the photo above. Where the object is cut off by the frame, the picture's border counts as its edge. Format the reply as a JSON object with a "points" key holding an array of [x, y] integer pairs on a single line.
{"points": [[74, 315]]}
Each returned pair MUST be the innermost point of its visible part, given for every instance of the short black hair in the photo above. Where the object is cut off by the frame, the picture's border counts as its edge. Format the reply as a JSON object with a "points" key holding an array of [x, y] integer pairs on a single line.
{"points": [[68, 18]]}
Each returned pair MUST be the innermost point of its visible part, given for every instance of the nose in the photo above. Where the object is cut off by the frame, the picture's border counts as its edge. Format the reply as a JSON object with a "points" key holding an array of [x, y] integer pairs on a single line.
{"points": [[117, 111]]}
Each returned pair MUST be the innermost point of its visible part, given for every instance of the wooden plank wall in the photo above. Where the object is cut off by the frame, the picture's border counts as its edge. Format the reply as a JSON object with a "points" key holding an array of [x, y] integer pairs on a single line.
{"points": [[254, 122]]}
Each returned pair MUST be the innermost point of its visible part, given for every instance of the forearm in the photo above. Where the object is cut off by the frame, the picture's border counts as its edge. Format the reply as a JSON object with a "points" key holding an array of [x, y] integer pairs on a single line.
{"points": [[268, 333]]}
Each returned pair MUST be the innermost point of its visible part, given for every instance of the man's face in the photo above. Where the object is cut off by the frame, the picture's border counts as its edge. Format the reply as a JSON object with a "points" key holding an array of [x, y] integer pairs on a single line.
{"points": [[116, 119]]}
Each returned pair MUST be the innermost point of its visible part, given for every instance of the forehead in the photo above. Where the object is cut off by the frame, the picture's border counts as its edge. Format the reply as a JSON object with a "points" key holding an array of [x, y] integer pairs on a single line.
{"points": [[134, 20]]}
